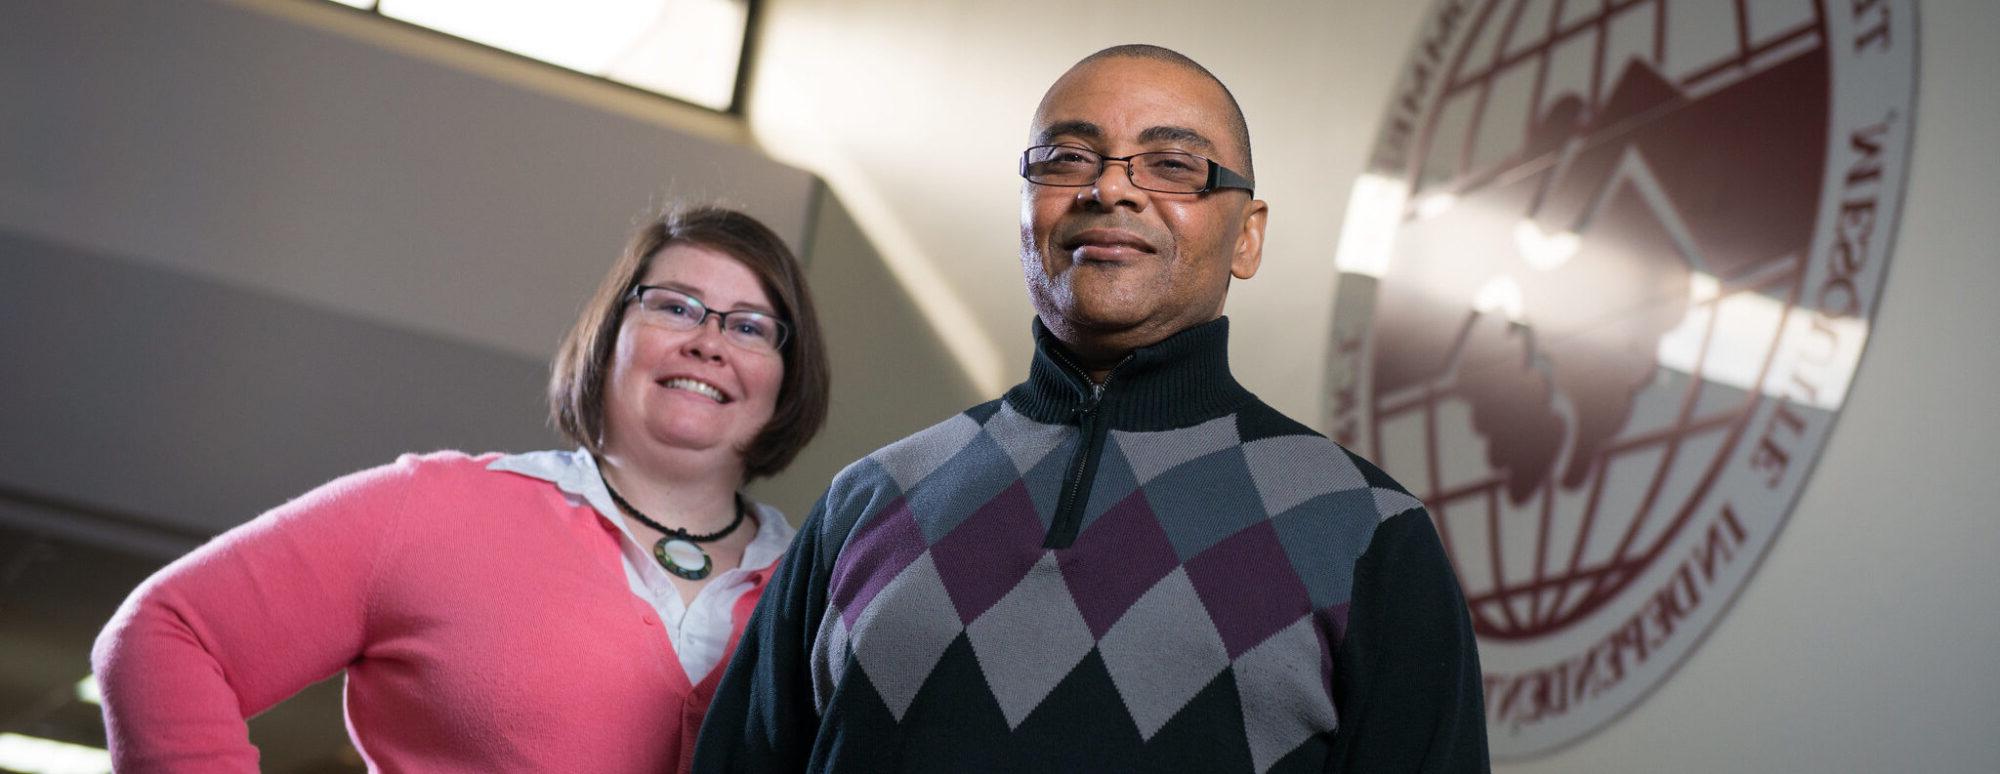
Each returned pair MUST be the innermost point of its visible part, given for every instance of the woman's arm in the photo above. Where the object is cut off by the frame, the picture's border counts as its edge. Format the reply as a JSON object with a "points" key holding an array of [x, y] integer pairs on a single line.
{"points": [[243, 622]]}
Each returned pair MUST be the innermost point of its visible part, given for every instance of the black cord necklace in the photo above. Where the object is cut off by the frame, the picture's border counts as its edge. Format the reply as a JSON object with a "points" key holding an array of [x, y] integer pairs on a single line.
{"points": [[677, 548]]}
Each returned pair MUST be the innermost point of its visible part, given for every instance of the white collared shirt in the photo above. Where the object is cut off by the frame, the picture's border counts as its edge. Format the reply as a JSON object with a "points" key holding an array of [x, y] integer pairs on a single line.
{"points": [[699, 630]]}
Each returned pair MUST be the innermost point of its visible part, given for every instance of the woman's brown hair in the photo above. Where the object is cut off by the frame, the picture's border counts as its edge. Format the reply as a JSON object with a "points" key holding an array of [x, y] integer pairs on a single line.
{"points": [[576, 382]]}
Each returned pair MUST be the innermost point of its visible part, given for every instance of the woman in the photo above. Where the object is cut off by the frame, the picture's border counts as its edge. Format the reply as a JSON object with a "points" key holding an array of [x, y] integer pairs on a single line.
{"points": [[545, 611]]}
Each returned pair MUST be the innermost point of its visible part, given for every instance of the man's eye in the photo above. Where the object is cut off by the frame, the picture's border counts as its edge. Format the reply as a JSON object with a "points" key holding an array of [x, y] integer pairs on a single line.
{"points": [[1068, 153]]}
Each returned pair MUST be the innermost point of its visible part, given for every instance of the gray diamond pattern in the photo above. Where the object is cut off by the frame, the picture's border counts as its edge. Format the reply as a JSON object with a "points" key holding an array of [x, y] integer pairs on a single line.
{"points": [[1164, 649], [984, 471], [1025, 441], [1292, 469], [905, 629], [1154, 453], [1030, 640], [1209, 500], [1162, 652], [912, 459], [1284, 699], [1389, 502]]}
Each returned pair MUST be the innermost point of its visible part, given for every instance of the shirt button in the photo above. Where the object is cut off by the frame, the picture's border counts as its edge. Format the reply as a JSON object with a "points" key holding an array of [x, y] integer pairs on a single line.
{"points": [[649, 619]]}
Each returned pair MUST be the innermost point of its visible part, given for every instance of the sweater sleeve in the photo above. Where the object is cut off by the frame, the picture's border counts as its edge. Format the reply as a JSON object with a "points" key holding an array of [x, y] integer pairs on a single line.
{"points": [[243, 622], [763, 717], [1408, 682]]}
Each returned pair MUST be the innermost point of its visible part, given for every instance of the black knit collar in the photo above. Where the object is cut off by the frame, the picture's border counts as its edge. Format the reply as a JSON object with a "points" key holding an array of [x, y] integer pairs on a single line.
{"points": [[1180, 381]]}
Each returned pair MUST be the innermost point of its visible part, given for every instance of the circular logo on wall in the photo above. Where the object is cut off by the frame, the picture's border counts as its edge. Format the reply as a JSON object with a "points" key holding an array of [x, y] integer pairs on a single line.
{"points": [[1602, 292]]}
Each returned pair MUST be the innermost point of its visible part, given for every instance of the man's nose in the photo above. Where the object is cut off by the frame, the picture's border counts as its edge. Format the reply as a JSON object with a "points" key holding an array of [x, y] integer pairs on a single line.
{"points": [[1114, 186]]}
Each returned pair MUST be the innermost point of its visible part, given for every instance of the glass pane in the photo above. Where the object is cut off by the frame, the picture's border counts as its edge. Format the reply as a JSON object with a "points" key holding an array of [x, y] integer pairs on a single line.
{"points": [[691, 52], [687, 49]]}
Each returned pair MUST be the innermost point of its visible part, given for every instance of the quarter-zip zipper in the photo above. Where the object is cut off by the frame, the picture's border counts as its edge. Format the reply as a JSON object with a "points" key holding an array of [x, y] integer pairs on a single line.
{"points": [[1091, 428]]}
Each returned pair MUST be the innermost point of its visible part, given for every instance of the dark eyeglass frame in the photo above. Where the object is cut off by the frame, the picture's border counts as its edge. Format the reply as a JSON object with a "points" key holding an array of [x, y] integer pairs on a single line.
{"points": [[784, 328], [1219, 176]]}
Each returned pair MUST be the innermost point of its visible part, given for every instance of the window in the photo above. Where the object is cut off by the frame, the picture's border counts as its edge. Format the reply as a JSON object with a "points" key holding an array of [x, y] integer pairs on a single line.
{"points": [[686, 49]]}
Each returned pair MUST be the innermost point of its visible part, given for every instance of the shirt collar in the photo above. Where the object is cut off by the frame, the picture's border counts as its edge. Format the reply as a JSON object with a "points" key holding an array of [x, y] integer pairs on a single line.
{"points": [[1179, 381], [575, 473]]}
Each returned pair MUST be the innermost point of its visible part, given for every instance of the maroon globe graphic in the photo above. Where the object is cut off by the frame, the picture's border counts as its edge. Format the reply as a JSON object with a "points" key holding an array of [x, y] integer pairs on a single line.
{"points": [[1611, 210], [1602, 292]]}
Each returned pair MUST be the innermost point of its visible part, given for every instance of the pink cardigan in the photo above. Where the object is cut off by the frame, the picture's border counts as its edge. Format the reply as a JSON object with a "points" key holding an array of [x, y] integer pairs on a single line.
{"points": [[482, 617]]}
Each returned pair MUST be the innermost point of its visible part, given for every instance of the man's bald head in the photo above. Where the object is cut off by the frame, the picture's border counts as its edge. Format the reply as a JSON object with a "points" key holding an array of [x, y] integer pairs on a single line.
{"points": [[1238, 128], [1112, 266]]}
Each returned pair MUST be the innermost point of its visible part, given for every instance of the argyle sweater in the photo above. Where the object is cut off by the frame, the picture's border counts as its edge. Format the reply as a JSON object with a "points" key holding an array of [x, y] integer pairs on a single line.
{"points": [[1164, 574]]}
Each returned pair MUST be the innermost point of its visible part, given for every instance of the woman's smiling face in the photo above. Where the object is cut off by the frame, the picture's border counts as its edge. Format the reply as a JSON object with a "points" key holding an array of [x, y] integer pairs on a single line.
{"points": [[677, 392]]}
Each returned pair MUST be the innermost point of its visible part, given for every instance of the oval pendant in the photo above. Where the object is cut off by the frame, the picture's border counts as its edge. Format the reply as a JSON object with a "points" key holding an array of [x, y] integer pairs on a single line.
{"points": [[682, 558]]}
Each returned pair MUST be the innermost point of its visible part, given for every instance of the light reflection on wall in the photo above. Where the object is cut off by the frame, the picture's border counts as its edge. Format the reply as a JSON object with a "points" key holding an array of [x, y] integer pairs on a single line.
{"points": [[1368, 237], [1740, 343], [1734, 353]]}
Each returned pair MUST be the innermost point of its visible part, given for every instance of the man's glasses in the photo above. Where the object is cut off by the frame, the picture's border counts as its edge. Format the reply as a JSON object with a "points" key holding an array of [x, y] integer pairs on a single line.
{"points": [[1157, 171], [748, 329]]}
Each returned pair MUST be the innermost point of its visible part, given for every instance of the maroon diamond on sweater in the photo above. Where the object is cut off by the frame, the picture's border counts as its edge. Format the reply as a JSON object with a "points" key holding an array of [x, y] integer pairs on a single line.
{"points": [[878, 552], [1246, 600], [982, 559], [1121, 555]]}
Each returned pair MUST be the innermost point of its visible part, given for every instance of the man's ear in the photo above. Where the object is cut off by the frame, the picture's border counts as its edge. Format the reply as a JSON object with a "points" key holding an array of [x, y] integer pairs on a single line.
{"points": [[1250, 243]]}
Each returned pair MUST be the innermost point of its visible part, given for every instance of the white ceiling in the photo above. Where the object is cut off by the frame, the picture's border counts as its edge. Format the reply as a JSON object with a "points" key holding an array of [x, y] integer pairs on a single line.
{"points": [[914, 114]]}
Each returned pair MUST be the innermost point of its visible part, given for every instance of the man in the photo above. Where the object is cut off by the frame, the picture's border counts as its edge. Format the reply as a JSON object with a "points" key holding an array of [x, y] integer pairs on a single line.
{"points": [[1128, 562]]}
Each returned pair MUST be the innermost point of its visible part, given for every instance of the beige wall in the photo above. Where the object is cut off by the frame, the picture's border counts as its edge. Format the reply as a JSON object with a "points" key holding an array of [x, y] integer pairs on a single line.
{"points": [[891, 377]]}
